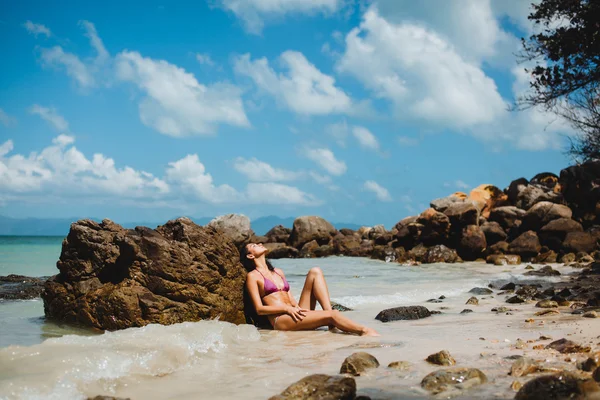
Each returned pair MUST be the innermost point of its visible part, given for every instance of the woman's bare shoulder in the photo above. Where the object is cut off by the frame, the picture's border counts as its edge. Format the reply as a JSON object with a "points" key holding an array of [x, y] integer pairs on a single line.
{"points": [[279, 271]]}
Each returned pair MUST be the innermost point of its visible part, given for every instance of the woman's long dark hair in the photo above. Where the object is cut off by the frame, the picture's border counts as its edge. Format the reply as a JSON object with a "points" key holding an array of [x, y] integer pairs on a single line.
{"points": [[252, 317]]}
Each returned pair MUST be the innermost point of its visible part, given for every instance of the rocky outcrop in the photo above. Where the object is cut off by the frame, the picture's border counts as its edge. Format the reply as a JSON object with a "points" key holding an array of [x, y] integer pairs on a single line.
{"points": [[235, 226], [19, 287], [311, 228], [320, 386], [114, 278]]}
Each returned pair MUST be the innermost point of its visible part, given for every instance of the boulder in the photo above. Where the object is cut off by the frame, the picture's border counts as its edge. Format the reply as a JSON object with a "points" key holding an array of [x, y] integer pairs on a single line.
{"points": [[527, 245], [461, 215], [348, 232], [473, 301], [472, 243], [357, 363], [498, 248], [405, 236], [441, 358], [324, 251], [580, 187], [278, 234], [436, 227], [417, 253], [576, 242], [533, 194], [280, 250], [385, 253], [544, 257], [554, 232], [403, 313], [443, 203], [400, 365], [310, 228], [347, 245], [481, 291], [320, 386], [507, 216], [440, 254], [542, 213], [545, 179], [493, 232], [486, 197], [544, 271], [460, 378], [308, 249], [235, 226], [503, 259], [546, 304], [516, 187], [19, 287], [114, 278], [560, 386]]}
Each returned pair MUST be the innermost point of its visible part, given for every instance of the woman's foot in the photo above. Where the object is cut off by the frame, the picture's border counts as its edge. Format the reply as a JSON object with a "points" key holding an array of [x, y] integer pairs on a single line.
{"points": [[369, 332]]}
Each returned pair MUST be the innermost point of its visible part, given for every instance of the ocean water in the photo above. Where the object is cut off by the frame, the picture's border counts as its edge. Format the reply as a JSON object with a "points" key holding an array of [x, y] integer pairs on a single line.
{"points": [[213, 359]]}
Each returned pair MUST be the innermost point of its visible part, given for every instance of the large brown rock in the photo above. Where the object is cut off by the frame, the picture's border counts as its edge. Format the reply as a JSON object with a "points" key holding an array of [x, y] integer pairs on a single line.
{"points": [[440, 254], [235, 226], [507, 216], [435, 227], [443, 203], [320, 387], [403, 313], [554, 232], [580, 186], [461, 215], [542, 213], [527, 245], [493, 232], [533, 194], [19, 287], [115, 278], [278, 234], [310, 228], [281, 250], [579, 241], [472, 243], [487, 197], [560, 386]]}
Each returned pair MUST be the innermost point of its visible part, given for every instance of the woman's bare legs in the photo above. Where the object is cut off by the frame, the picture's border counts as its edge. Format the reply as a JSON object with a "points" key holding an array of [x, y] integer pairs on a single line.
{"points": [[315, 289], [315, 319]]}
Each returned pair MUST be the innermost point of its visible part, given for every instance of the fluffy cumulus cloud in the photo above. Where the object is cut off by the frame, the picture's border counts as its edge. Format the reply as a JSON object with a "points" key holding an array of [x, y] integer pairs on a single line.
{"points": [[51, 116], [276, 193], [302, 88], [365, 138], [382, 193], [83, 72], [37, 29], [63, 170], [420, 72], [260, 171], [175, 103], [326, 160], [253, 13]]}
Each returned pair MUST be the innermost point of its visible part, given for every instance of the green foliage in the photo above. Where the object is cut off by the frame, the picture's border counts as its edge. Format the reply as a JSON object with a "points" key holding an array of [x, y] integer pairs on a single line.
{"points": [[566, 78]]}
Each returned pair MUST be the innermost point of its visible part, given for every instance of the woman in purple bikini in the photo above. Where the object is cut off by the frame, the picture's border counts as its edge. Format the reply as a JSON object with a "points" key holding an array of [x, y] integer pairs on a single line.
{"points": [[270, 294]]}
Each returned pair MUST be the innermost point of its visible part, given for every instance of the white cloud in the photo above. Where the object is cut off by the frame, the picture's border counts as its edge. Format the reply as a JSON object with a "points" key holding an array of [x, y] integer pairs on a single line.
{"points": [[326, 160], [51, 116], [75, 68], [461, 185], [381, 192], [63, 170], [303, 88], [420, 72], [260, 171], [176, 104], [320, 179], [92, 34], [276, 193], [205, 59], [6, 119], [37, 29], [338, 131], [254, 12], [365, 138], [407, 141]]}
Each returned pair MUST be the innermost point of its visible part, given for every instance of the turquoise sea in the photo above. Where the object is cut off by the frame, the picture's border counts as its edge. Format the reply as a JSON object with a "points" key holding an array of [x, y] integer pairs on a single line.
{"points": [[213, 359]]}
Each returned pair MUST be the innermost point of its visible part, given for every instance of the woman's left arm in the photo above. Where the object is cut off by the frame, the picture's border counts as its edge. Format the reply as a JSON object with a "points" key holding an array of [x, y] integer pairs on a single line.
{"points": [[292, 299]]}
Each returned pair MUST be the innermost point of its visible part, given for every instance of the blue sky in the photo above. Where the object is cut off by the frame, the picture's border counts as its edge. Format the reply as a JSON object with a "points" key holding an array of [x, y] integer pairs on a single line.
{"points": [[358, 111]]}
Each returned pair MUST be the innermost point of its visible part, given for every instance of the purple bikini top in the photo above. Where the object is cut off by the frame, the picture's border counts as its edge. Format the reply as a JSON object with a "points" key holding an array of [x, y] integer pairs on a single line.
{"points": [[270, 286]]}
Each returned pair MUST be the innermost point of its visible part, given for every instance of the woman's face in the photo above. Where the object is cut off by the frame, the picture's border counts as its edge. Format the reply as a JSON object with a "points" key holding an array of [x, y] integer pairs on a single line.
{"points": [[255, 250]]}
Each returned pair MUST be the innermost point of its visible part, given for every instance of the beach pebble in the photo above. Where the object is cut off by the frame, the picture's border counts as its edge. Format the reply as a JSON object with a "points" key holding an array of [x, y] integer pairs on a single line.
{"points": [[460, 378], [523, 366], [466, 311], [567, 346], [320, 386], [591, 363], [516, 385], [480, 291], [590, 314], [547, 312], [509, 286], [473, 300], [441, 358], [520, 344], [400, 365], [563, 385], [544, 337], [516, 300], [546, 304], [544, 271], [529, 267], [501, 309], [358, 363]]}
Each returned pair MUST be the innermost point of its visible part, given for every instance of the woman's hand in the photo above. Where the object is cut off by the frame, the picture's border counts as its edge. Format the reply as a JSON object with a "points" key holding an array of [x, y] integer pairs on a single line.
{"points": [[296, 313]]}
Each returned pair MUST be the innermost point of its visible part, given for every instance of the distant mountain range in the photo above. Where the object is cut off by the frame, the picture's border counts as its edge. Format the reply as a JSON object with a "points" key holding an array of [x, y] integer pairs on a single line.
{"points": [[60, 226]]}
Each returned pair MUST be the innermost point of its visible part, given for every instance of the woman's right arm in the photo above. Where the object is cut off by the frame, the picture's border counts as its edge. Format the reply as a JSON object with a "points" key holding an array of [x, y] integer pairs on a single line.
{"points": [[261, 309]]}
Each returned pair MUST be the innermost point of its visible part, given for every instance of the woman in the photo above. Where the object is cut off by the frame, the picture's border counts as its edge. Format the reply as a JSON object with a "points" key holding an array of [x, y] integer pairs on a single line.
{"points": [[270, 294]]}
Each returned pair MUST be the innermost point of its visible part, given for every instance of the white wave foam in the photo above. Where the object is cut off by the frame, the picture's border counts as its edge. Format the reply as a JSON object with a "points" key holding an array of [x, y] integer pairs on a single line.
{"points": [[66, 368]]}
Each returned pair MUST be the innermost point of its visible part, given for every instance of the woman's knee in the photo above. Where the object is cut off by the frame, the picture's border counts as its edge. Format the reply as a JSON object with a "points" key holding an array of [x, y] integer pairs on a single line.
{"points": [[334, 315], [315, 271]]}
